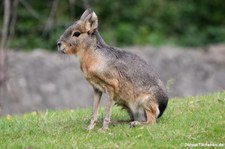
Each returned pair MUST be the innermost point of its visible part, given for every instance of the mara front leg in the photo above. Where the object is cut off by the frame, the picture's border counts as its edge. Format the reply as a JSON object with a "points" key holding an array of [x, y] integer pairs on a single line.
{"points": [[94, 117], [108, 109]]}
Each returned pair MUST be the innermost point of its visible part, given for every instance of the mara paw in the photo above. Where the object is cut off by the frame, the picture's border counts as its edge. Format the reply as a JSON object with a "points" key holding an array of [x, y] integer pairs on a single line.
{"points": [[134, 124], [103, 129], [90, 127]]}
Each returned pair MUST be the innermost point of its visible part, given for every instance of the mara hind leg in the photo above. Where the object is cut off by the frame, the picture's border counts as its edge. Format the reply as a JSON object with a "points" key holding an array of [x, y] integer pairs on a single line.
{"points": [[131, 116], [151, 111]]}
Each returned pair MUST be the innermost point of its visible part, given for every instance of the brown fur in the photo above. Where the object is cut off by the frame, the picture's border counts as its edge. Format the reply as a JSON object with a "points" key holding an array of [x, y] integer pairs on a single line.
{"points": [[128, 80]]}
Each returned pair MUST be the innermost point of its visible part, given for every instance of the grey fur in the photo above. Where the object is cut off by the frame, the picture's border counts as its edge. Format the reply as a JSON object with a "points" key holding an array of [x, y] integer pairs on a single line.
{"points": [[135, 70]]}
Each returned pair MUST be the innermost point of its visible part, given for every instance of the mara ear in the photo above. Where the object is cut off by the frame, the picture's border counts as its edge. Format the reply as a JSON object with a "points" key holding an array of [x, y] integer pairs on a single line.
{"points": [[91, 22], [85, 14]]}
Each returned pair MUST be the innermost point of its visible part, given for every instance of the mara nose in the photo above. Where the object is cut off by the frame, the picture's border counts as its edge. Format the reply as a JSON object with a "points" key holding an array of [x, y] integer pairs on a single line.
{"points": [[58, 44]]}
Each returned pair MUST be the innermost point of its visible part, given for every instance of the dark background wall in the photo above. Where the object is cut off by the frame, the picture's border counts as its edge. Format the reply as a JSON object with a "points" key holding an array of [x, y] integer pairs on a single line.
{"points": [[44, 80]]}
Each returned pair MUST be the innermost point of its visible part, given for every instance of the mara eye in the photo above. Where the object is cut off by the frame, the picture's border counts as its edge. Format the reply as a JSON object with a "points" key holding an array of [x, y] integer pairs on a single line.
{"points": [[76, 34]]}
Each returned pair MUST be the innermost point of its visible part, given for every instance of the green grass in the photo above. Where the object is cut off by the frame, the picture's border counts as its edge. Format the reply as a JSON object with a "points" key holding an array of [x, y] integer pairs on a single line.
{"points": [[191, 120]]}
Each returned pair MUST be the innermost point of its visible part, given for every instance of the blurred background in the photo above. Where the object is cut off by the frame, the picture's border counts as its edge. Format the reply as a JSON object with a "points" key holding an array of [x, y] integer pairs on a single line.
{"points": [[183, 40]]}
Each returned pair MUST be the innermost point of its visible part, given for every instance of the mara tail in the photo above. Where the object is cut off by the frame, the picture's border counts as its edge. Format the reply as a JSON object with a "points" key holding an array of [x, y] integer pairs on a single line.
{"points": [[163, 101]]}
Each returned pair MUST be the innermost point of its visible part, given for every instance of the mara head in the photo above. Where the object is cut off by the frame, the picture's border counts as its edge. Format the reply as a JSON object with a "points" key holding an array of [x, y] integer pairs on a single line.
{"points": [[78, 36]]}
